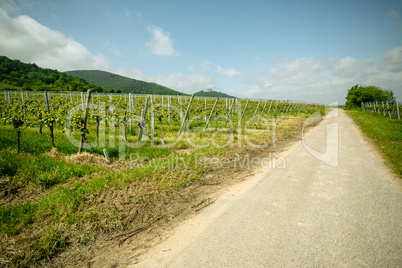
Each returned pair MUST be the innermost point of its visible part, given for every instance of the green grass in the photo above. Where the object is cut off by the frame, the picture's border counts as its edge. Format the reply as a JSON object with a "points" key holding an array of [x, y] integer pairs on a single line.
{"points": [[45, 226], [41, 170], [385, 133], [32, 142]]}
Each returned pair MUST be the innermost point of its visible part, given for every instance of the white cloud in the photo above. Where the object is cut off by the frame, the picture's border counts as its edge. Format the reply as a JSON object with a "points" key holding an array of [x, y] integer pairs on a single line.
{"points": [[298, 72], [206, 66], [112, 48], [230, 73], [26, 39], [305, 79], [185, 83], [346, 67], [393, 13], [161, 43], [127, 13], [392, 60], [395, 20], [15, 6], [175, 80]]}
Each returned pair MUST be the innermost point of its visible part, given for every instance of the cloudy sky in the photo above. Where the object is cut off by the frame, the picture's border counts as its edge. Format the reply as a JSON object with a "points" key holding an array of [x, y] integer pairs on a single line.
{"points": [[289, 50]]}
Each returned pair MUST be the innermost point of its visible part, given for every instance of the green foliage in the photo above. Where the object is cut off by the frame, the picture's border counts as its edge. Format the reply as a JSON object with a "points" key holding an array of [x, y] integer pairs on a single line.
{"points": [[358, 94], [42, 170], [112, 81], [15, 74]]}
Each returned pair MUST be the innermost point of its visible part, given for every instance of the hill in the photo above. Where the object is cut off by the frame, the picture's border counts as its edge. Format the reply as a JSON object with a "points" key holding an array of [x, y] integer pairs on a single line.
{"points": [[214, 94], [117, 82], [17, 75]]}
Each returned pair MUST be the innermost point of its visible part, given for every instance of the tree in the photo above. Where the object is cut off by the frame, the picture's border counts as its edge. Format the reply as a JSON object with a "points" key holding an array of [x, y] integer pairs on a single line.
{"points": [[358, 94], [75, 86]]}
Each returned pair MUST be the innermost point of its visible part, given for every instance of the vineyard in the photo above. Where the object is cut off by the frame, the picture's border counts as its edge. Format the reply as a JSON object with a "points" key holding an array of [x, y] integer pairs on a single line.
{"points": [[386, 109], [141, 154], [116, 122]]}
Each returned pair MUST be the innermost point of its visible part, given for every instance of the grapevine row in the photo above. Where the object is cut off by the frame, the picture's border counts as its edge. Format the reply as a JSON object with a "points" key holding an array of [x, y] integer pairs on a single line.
{"points": [[166, 113]]}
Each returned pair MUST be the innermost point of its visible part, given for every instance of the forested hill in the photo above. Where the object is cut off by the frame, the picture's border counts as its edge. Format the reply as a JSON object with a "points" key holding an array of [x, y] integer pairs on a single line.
{"points": [[215, 94], [16, 75], [117, 82]]}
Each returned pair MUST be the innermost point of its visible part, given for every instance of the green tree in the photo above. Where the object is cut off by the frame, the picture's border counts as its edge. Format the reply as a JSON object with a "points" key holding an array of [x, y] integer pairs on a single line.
{"points": [[75, 86], [358, 94]]}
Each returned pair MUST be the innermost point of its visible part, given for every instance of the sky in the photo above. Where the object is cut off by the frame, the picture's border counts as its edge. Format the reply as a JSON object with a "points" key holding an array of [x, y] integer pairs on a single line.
{"points": [[312, 51]]}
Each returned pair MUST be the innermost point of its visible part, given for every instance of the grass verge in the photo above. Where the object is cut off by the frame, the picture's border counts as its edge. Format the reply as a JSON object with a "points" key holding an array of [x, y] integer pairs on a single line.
{"points": [[386, 134]]}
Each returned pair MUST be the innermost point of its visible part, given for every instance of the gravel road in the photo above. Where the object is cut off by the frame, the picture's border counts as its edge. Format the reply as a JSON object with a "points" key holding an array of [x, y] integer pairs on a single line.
{"points": [[332, 205]]}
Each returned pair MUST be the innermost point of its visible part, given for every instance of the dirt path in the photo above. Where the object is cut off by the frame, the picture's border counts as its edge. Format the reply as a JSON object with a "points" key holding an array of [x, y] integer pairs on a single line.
{"points": [[333, 204]]}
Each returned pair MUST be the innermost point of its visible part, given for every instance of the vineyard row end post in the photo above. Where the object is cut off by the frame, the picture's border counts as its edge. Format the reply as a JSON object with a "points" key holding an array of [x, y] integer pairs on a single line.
{"points": [[84, 121]]}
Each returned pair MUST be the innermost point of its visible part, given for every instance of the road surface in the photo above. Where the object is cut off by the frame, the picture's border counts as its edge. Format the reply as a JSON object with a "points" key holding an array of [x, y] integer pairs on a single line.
{"points": [[333, 205]]}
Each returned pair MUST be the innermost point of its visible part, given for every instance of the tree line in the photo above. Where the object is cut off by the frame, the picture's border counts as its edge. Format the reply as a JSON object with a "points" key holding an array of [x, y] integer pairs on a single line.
{"points": [[359, 93]]}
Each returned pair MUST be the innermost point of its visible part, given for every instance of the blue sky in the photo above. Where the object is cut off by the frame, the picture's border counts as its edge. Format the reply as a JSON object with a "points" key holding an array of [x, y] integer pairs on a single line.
{"points": [[289, 50]]}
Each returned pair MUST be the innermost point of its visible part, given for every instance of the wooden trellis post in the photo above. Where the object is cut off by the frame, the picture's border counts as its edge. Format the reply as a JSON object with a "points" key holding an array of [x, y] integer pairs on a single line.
{"points": [[210, 116], [84, 123], [258, 106], [230, 111], [205, 105], [51, 123], [389, 111], [142, 119], [186, 114], [263, 109], [244, 111], [169, 101], [269, 109], [276, 106], [23, 105]]}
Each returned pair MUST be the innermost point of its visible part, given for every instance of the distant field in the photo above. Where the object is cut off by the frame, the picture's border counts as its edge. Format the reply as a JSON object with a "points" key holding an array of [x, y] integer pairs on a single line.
{"points": [[385, 133]]}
